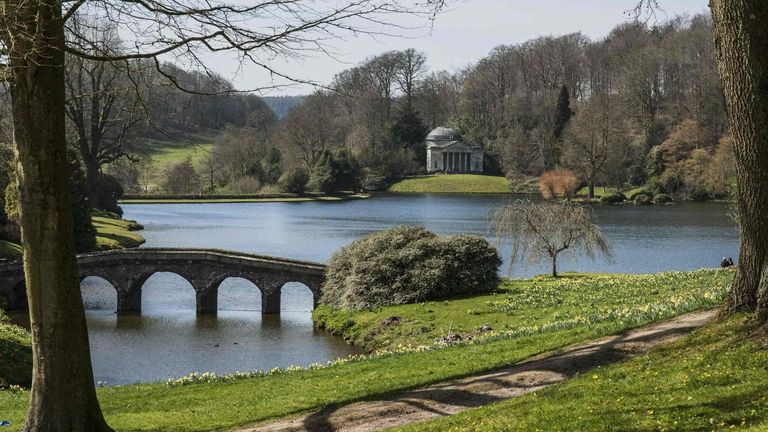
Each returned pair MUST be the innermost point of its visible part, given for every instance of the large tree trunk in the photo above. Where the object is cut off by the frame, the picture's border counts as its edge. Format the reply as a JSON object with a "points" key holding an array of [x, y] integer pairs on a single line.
{"points": [[741, 37], [63, 396]]}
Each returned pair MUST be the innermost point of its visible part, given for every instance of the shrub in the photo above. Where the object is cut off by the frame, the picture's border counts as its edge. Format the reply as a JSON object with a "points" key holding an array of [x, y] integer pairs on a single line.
{"points": [[614, 198], [293, 181], [408, 265], [643, 191], [245, 185], [643, 200], [558, 184], [698, 194], [662, 199]]}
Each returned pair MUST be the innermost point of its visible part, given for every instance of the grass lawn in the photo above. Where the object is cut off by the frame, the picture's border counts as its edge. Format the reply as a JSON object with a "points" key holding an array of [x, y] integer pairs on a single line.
{"points": [[176, 148], [204, 406], [115, 233], [713, 379], [600, 191], [111, 233], [538, 303], [453, 183]]}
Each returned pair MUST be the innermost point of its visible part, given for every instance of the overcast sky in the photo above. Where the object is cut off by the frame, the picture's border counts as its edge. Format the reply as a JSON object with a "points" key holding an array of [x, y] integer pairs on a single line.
{"points": [[463, 35]]}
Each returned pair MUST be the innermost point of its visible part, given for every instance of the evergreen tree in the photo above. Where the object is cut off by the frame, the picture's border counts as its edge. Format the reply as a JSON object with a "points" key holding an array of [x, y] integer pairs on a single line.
{"points": [[408, 131], [563, 112], [335, 171], [271, 166]]}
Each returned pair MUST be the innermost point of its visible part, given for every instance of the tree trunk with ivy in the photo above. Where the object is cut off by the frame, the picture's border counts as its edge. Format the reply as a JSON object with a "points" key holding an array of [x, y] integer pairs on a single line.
{"points": [[63, 397], [741, 37]]}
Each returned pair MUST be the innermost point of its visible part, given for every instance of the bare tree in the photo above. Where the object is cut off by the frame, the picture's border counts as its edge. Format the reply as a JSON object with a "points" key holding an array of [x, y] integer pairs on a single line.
{"points": [[102, 107], [412, 66], [536, 231], [595, 135], [311, 128], [34, 37]]}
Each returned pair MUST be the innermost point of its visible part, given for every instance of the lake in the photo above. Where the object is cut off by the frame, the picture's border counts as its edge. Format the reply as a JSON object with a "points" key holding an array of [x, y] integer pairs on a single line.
{"points": [[169, 340]]}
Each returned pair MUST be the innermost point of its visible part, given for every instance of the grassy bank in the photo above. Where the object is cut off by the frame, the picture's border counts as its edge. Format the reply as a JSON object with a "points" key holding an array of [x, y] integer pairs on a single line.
{"points": [[209, 403], [115, 233], [453, 183], [537, 303], [712, 380], [111, 233]]}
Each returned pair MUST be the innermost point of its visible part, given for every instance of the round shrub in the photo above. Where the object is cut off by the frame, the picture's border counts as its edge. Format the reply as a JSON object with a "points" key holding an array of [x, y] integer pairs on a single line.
{"points": [[643, 200], [293, 181], [640, 192], [662, 199], [409, 265], [614, 198]]}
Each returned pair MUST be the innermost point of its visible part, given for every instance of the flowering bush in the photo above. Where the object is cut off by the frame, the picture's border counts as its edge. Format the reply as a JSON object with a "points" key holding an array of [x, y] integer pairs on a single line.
{"points": [[409, 265]]}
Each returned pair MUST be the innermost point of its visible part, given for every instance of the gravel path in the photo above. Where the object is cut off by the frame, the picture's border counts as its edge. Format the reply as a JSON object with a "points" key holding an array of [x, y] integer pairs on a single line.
{"points": [[454, 396]]}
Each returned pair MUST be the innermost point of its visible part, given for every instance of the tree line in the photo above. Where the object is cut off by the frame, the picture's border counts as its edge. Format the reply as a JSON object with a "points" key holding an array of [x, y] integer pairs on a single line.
{"points": [[642, 106]]}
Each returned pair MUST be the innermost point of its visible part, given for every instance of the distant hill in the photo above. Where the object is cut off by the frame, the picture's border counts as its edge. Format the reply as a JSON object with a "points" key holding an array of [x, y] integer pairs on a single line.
{"points": [[282, 104]]}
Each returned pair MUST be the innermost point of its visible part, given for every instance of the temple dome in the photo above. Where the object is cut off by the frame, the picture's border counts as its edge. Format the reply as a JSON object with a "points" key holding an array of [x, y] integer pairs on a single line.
{"points": [[443, 134]]}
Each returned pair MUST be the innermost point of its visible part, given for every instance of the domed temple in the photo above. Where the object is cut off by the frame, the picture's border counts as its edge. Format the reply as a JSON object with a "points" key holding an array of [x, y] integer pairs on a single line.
{"points": [[447, 153]]}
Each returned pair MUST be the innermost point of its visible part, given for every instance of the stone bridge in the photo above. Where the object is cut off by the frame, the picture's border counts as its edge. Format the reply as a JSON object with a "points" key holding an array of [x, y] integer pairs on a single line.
{"points": [[204, 269]]}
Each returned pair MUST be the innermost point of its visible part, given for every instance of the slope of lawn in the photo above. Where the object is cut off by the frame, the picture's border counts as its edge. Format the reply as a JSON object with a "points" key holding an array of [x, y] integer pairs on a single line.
{"points": [[115, 233], [168, 150], [204, 403], [111, 233], [714, 379], [543, 301], [453, 183]]}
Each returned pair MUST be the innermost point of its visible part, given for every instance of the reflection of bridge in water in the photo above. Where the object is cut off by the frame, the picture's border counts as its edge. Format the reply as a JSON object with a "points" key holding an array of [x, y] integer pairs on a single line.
{"points": [[205, 269]]}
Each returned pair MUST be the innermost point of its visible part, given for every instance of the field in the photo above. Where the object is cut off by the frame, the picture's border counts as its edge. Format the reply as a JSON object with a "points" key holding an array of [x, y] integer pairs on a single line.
{"points": [[174, 149], [453, 183], [526, 324]]}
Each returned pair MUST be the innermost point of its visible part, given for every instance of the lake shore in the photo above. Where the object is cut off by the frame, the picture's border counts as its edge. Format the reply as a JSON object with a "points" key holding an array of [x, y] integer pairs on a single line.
{"points": [[209, 402], [235, 199]]}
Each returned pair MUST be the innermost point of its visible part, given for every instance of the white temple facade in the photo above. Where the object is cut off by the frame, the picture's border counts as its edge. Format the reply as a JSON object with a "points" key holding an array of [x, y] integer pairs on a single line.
{"points": [[447, 153]]}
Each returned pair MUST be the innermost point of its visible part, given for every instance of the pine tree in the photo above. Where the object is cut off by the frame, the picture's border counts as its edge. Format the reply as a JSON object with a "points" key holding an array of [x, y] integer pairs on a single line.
{"points": [[563, 112]]}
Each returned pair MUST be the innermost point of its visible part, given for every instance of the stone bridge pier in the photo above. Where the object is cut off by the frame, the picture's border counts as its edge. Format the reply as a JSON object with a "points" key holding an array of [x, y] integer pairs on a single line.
{"points": [[205, 270]]}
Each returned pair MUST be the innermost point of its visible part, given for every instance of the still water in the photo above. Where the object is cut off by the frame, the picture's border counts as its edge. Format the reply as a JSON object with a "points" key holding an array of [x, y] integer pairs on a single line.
{"points": [[169, 340]]}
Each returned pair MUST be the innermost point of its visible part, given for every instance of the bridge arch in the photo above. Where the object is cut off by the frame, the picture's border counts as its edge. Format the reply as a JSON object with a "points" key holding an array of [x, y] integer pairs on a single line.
{"points": [[239, 290], [99, 292], [300, 294], [171, 287]]}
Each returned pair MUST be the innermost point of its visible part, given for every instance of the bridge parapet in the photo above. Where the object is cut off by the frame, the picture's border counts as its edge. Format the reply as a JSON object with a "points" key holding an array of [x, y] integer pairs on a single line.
{"points": [[205, 269]]}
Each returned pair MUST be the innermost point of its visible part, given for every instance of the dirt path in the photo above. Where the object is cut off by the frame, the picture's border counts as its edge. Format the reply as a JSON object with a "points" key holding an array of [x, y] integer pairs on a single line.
{"points": [[454, 396]]}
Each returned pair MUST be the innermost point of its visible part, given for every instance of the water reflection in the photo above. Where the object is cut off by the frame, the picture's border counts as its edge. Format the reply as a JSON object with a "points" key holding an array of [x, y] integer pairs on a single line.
{"points": [[168, 339]]}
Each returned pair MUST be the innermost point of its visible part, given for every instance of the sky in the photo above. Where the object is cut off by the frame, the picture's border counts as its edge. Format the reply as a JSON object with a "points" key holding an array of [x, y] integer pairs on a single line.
{"points": [[460, 36]]}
